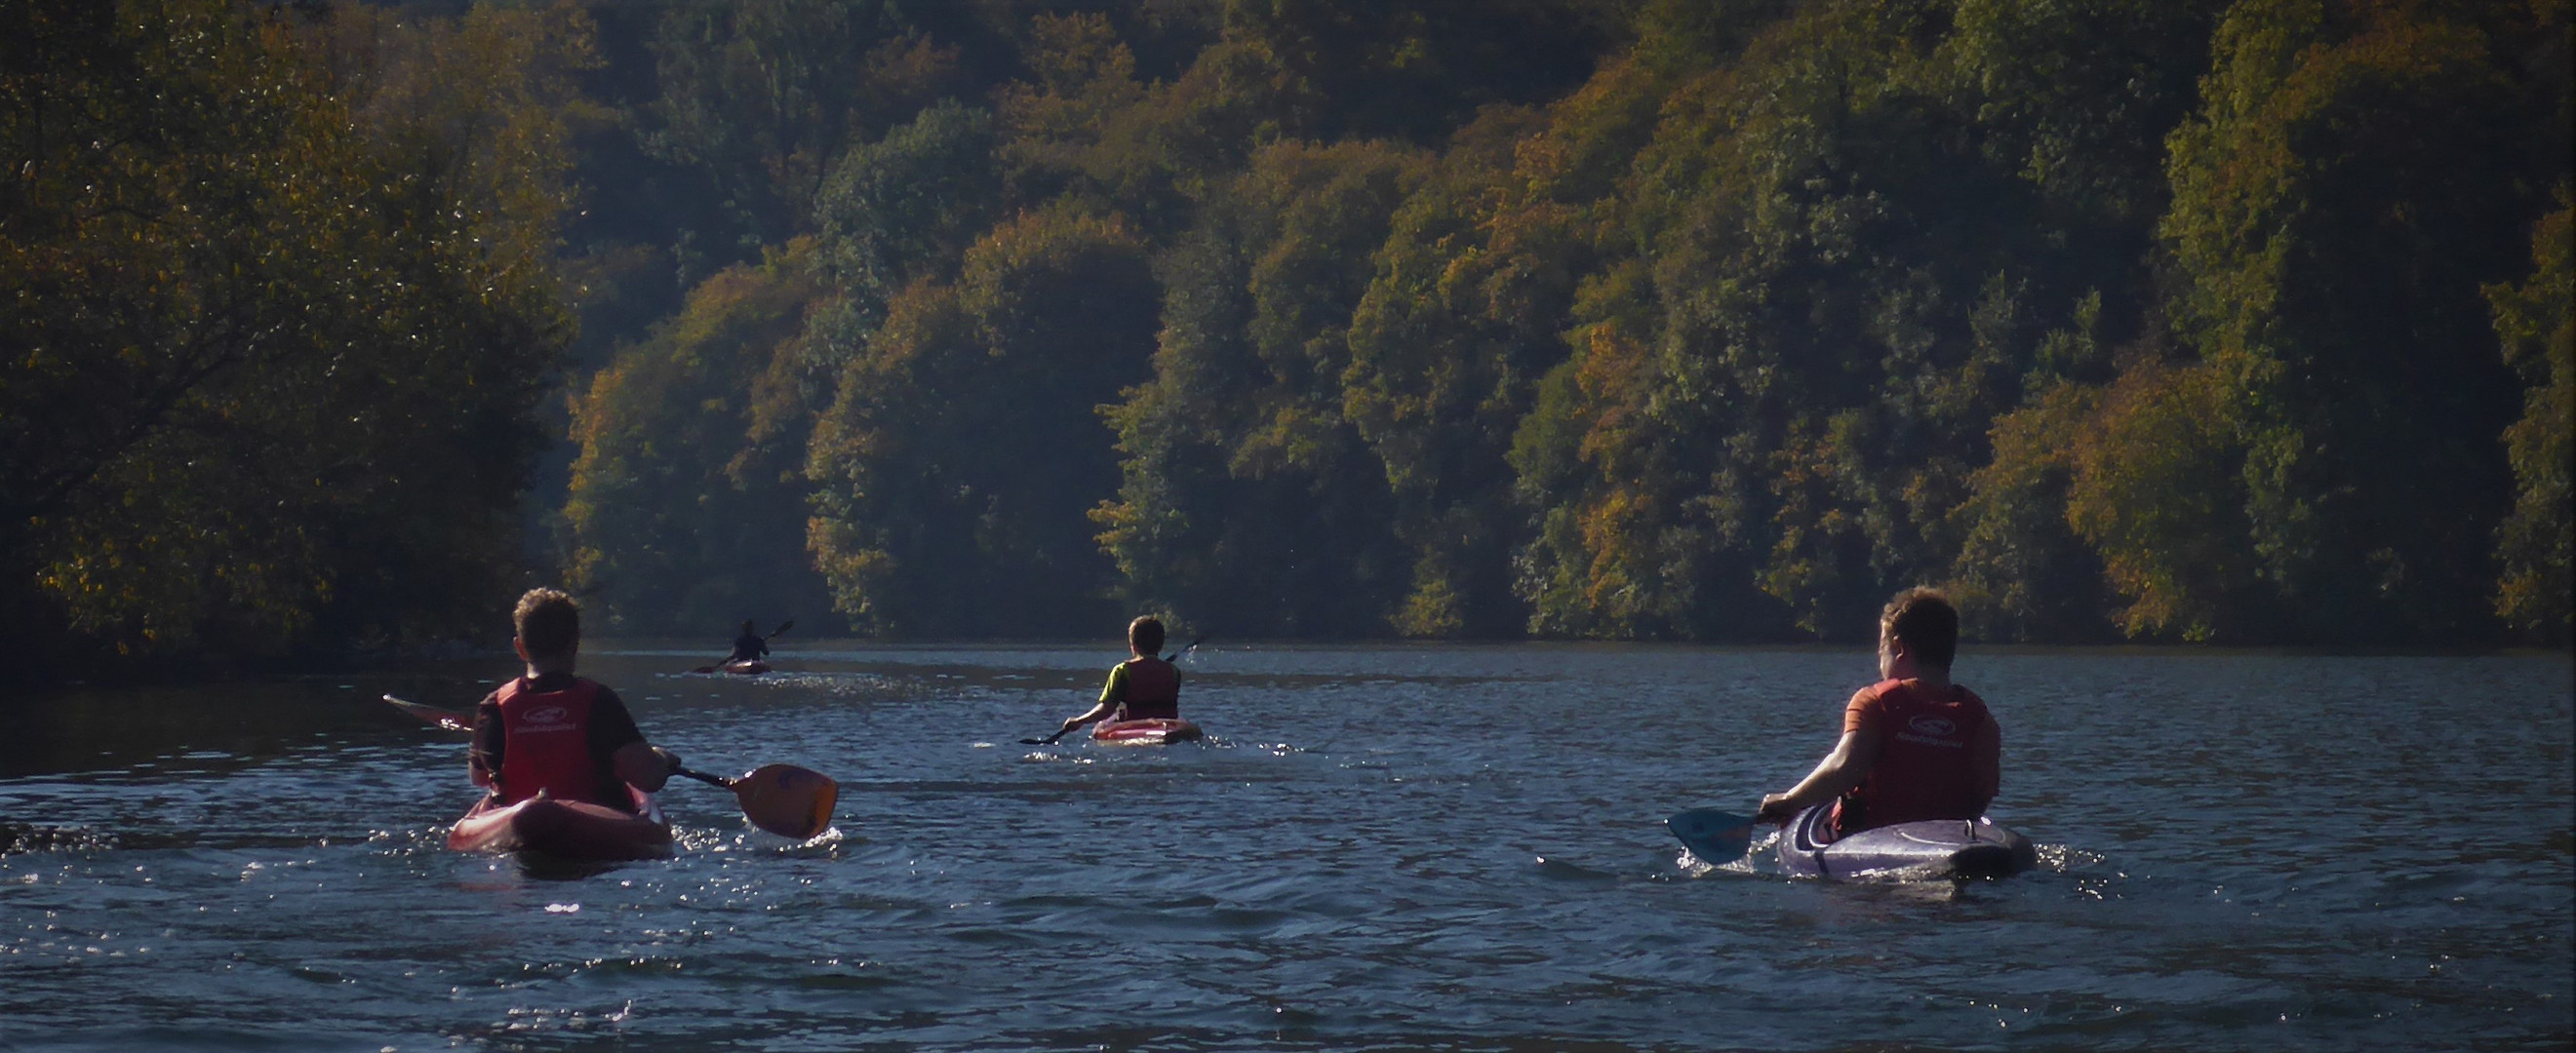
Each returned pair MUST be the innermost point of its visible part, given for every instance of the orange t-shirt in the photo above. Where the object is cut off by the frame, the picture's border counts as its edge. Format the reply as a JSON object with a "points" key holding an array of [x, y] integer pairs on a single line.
{"points": [[1934, 759]]}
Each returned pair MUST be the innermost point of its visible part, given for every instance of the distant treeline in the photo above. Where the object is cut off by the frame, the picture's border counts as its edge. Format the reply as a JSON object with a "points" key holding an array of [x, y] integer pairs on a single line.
{"points": [[1719, 320]]}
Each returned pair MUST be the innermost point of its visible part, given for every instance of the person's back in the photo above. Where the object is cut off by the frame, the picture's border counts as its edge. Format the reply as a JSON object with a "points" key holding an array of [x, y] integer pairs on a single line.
{"points": [[1931, 762], [1143, 687], [1915, 746], [552, 732], [748, 647]]}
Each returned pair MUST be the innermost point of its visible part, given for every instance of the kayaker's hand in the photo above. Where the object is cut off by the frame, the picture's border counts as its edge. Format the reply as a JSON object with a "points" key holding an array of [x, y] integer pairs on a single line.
{"points": [[1776, 809]]}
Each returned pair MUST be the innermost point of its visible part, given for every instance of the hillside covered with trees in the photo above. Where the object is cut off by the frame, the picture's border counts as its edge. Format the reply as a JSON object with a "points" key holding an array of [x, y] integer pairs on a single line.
{"points": [[1718, 320]]}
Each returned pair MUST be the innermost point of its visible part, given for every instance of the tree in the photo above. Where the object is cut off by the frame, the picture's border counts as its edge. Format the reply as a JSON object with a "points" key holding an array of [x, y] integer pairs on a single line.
{"points": [[676, 521], [900, 209], [2537, 322], [1416, 69], [1247, 496], [281, 310], [1461, 320], [909, 204], [1825, 278], [957, 461], [2356, 175], [762, 94]]}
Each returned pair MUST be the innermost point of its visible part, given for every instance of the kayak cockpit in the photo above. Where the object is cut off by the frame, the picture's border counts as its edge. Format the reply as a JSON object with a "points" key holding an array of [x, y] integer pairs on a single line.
{"points": [[1932, 848]]}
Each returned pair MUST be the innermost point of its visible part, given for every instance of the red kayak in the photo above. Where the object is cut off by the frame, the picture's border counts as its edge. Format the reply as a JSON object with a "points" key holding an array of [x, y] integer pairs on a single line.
{"points": [[1150, 732], [576, 831]]}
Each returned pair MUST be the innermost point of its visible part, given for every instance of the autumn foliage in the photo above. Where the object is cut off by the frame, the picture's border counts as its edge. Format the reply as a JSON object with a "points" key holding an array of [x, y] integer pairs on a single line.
{"points": [[2191, 320]]}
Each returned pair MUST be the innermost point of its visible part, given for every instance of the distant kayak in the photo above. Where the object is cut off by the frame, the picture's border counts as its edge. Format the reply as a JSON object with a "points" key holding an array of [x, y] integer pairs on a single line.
{"points": [[1937, 848], [1153, 732], [571, 831], [739, 666]]}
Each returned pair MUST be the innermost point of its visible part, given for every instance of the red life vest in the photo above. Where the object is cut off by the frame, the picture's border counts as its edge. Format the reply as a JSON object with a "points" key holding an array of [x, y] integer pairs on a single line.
{"points": [[1928, 764], [1153, 691], [547, 736]]}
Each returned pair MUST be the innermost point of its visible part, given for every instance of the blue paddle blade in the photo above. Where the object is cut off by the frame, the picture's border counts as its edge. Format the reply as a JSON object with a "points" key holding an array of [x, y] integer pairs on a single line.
{"points": [[1716, 837]]}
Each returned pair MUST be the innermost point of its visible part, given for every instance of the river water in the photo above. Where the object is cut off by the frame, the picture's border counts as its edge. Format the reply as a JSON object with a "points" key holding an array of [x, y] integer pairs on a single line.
{"points": [[1382, 847]]}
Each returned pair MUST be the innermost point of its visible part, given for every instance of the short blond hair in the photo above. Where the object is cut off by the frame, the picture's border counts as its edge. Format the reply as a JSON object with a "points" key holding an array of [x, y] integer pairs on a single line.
{"points": [[548, 622]]}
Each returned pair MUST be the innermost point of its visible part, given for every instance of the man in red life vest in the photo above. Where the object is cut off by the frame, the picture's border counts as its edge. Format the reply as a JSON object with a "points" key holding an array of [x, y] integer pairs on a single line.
{"points": [[1140, 688], [550, 732], [1915, 746]]}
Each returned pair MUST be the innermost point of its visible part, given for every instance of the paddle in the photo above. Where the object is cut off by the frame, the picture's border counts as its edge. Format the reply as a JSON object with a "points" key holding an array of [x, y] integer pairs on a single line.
{"points": [[1060, 732], [1715, 837], [781, 798], [773, 634], [434, 715]]}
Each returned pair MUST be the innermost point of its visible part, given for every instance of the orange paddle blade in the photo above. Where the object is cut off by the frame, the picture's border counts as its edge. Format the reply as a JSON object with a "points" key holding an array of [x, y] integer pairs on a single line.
{"points": [[787, 800]]}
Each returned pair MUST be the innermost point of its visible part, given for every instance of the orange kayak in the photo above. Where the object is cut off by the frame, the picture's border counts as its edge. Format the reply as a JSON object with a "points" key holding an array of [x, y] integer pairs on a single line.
{"points": [[567, 830], [1150, 732]]}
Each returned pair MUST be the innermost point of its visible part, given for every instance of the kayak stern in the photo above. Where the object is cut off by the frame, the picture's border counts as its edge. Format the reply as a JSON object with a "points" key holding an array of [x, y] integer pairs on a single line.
{"points": [[576, 831], [1149, 732], [1934, 848]]}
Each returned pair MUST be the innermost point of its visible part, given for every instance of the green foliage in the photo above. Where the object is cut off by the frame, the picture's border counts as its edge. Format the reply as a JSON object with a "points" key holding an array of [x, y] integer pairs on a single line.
{"points": [[281, 300], [1684, 38], [677, 521], [1445, 347], [2357, 173], [1416, 69], [1612, 318], [1845, 259], [1242, 477], [908, 205], [956, 464], [903, 208], [762, 94], [2537, 321], [2072, 96], [2154, 491], [2023, 573]]}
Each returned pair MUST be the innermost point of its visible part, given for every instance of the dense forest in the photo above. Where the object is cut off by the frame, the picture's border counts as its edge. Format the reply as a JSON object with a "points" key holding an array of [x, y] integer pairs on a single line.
{"points": [[2231, 321]]}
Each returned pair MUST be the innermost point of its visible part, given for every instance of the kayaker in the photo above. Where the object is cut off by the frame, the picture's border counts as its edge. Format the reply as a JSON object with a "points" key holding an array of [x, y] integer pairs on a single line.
{"points": [[552, 732], [748, 647], [1915, 746], [1141, 688]]}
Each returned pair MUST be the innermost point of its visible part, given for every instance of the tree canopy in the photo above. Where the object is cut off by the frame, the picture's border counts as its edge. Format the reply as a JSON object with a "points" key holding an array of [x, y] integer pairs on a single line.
{"points": [[2214, 320], [282, 298]]}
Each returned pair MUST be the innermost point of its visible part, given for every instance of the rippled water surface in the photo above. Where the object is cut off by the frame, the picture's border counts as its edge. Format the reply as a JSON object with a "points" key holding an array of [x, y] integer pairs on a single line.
{"points": [[1441, 847]]}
